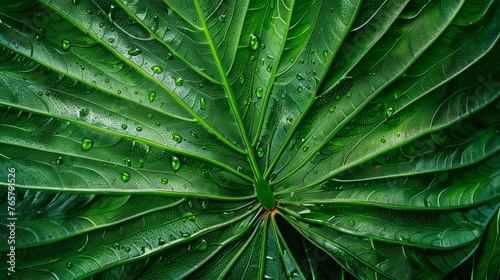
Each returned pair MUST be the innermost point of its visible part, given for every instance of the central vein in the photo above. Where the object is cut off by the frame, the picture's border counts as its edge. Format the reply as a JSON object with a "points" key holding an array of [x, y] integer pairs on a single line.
{"points": [[262, 186]]}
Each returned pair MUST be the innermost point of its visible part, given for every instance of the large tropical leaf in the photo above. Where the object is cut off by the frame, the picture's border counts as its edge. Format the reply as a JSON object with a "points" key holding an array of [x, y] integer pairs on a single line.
{"points": [[249, 139]]}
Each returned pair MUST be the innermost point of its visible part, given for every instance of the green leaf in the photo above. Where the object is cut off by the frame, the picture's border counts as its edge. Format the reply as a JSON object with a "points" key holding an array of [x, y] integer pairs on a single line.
{"points": [[249, 139]]}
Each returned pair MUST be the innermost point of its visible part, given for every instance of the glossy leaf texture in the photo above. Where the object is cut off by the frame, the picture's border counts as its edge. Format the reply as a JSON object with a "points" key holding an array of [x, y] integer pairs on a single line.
{"points": [[249, 139]]}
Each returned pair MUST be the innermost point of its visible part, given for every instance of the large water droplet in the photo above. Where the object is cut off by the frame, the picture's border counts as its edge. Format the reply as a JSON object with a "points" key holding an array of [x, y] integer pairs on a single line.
{"points": [[254, 42], [178, 81], [299, 89], [351, 223], [161, 241], [260, 152], [175, 162], [125, 176], [152, 96], [157, 69], [389, 111], [135, 52], [87, 144], [164, 181], [258, 92], [176, 137], [203, 103], [202, 246], [66, 44]]}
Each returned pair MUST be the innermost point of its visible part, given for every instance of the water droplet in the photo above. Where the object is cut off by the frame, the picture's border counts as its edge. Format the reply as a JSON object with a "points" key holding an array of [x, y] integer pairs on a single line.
{"points": [[127, 162], [111, 40], [332, 109], [164, 181], [161, 241], [190, 204], [203, 205], [352, 223], [175, 162], [194, 134], [69, 265], [254, 42], [150, 116], [178, 81], [300, 77], [59, 160], [222, 18], [202, 246], [260, 152], [349, 94], [245, 102], [289, 120], [325, 53], [306, 147], [242, 79], [269, 67], [389, 111], [76, 2], [186, 235], [41, 33], [66, 44], [299, 89], [311, 51], [189, 216], [382, 140], [87, 144], [124, 126], [135, 52], [258, 92], [157, 123], [152, 96], [203, 103], [116, 246], [138, 128], [81, 249], [106, 80], [176, 137], [127, 249], [252, 57], [169, 56], [125, 176], [195, 19], [157, 70]]}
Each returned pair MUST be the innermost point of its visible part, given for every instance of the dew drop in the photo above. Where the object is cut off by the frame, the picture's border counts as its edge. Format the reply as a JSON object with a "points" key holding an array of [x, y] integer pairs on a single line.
{"points": [[189, 216], [157, 123], [66, 44], [260, 152], [245, 102], [150, 116], [299, 76], [161, 241], [186, 235], [127, 249], [152, 96], [69, 265], [258, 92], [349, 94], [202, 246], [382, 141], [351, 223], [175, 162], [289, 120], [87, 144], [81, 249], [203, 205], [325, 53], [124, 126], [164, 181], [127, 162], [203, 103], [254, 42], [299, 89], [222, 18], [389, 111], [157, 69], [194, 134], [135, 52], [306, 147], [176, 137], [59, 160], [138, 128], [190, 204], [116, 246], [269, 67], [106, 80], [169, 56], [332, 109], [111, 40], [195, 19], [76, 2], [242, 80], [125, 176], [178, 81]]}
